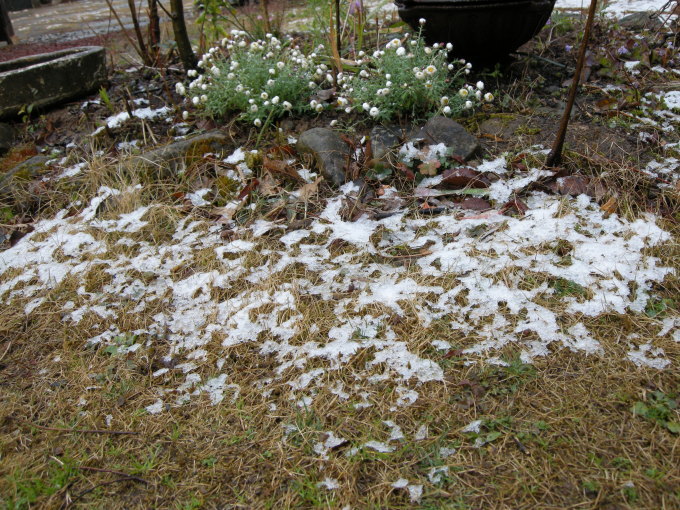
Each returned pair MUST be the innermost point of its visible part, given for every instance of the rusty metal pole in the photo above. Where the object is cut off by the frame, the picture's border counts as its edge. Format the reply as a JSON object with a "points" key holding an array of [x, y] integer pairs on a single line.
{"points": [[555, 156]]}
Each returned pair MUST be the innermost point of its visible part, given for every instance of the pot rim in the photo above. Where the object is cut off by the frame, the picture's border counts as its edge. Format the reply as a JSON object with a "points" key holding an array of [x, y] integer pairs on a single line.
{"points": [[474, 5]]}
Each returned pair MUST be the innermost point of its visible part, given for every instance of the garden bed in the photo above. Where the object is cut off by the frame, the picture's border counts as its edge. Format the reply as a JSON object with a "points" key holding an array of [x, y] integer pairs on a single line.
{"points": [[209, 326]]}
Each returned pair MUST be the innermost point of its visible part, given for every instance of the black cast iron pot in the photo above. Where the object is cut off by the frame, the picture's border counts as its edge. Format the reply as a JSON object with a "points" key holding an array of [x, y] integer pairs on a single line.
{"points": [[483, 31]]}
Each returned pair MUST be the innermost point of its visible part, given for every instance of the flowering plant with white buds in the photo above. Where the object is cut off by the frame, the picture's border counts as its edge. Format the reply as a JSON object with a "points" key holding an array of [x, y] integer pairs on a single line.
{"points": [[263, 80], [407, 77]]}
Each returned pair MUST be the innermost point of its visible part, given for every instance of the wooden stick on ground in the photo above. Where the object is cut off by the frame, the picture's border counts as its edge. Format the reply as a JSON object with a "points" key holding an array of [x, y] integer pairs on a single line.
{"points": [[555, 155], [84, 431]]}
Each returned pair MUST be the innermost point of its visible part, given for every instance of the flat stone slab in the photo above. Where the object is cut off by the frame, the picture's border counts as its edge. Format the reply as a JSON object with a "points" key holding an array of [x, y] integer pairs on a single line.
{"points": [[177, 156], [50, 78], [444, 130], [330, 152], [25, 171]]}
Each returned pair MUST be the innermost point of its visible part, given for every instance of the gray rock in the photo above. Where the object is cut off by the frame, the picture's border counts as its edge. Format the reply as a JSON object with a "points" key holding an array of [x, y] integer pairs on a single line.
{"points": [[50, 78], [444, 130], [25, 171], [383, 140], [330, 153], [7, 136], [641, 21], [175, 157]]}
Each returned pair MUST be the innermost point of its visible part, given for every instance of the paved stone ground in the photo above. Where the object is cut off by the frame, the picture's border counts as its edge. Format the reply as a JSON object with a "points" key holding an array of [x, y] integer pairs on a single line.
{"points": [[75, 20]]}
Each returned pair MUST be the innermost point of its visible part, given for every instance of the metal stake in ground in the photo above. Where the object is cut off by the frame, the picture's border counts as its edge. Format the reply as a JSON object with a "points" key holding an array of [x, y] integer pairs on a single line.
{"points": [[555, 155]]}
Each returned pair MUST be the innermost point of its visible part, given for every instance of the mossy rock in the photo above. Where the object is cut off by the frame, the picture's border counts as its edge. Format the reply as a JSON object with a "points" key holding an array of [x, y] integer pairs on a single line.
{"points": [[26, 171], [174, 158]]}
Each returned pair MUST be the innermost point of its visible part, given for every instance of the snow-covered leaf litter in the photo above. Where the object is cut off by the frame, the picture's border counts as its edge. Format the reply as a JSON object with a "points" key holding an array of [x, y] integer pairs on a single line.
{"points": [[608, 257]]}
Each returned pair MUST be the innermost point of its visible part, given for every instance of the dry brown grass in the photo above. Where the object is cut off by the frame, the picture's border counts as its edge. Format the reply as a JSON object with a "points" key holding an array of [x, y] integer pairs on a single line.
{"points": [[567, 434], [563, 432]]}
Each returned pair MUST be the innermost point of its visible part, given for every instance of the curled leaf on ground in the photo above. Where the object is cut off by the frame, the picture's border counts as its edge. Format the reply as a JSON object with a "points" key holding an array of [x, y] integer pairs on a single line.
{"points": [[464, 177]]}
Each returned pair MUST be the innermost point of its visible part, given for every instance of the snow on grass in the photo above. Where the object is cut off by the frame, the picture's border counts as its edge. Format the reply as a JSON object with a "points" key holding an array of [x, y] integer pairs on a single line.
{"points": [[117, 120], [415, 491], [505, 287]]}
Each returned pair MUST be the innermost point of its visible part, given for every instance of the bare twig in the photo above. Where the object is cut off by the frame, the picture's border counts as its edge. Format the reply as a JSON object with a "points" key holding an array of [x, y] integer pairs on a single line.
{"points": [[84, 431], [138, 32], [6, 351], [123, 29], [114, 472], [555, 155], [422, 253], [103, 484], [15, 225]]}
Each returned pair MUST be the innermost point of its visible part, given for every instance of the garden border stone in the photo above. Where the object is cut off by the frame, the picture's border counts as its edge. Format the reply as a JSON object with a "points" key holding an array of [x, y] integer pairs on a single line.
{"points": [[50, 78]]}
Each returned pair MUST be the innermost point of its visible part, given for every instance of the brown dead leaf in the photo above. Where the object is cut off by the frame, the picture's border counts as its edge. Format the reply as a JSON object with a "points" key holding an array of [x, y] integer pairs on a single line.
{"points": [[269, 185], [515, 206], [276, 166], [454, 353], [283, 150], [306, 192], [408, 173], [464, 177], [368, 151], [610, 206], [248, 189], [572, 185], [475, 204], [458, 159], [492, 137]]}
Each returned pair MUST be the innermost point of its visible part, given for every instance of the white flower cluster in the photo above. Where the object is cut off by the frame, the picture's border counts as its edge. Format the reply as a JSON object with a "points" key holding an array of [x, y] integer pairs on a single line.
{"points": [[404, 77], [232, 80], [264, 79], [469, 91]]}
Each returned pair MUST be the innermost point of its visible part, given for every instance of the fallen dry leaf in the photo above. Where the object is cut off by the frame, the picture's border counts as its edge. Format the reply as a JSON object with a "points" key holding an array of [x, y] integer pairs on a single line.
{"points": [[276, 166], [408, 173], [572, 185], [310, 189], [464, 177], [248, 189], [475, 204], [269, 185], [610, 206], [514, 206]]}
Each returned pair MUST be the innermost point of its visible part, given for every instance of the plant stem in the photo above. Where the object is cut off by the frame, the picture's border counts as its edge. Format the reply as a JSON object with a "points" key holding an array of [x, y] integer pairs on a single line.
{"points": [[264, 127], [144, 53], [337, 26], [555, 155]]}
